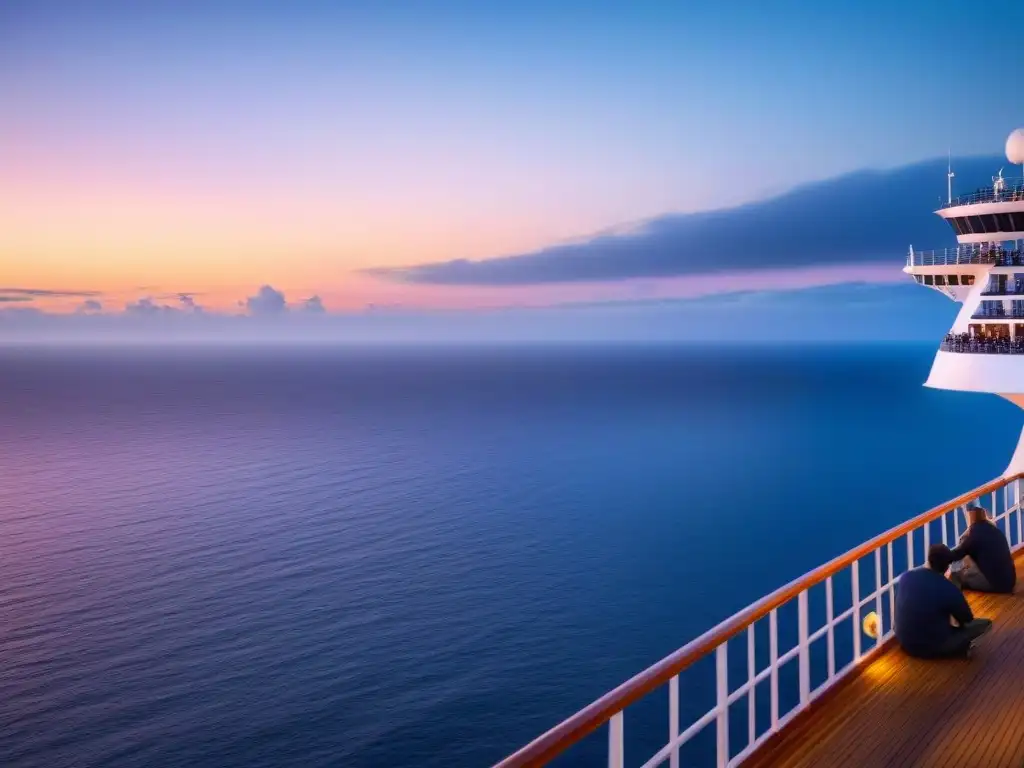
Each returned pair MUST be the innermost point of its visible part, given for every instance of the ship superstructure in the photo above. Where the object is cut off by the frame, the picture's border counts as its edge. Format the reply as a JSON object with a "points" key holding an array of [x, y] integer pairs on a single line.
{"points": [[984, 349]]}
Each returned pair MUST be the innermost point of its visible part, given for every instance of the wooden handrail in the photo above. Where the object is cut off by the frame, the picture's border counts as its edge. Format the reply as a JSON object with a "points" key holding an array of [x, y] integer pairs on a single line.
{"points": [[572, 730]]}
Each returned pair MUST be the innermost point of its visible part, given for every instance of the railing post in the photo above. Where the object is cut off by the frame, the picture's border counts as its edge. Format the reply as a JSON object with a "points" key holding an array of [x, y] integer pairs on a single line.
{"points": [[722, 689], [773, 660], [855, 588], [616, 742], [892, 588], [878, 593], [805, 648], [1006, 516], [910, 549], [1010, 508], [830, 613], [751, 701], [673, 720], [1020, 526]]}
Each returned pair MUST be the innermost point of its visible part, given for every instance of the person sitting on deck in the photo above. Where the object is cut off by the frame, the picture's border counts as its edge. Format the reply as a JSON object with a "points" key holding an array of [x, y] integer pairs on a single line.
{"points": [[926, 602], [988, 564]]}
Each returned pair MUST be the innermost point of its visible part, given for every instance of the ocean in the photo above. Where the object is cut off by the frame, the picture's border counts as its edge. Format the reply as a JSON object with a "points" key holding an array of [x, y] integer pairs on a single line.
{"points": [[422, 557]]}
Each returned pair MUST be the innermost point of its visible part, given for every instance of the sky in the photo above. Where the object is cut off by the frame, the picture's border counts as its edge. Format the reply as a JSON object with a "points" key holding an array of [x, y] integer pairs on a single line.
{"points": [[256, 157]]}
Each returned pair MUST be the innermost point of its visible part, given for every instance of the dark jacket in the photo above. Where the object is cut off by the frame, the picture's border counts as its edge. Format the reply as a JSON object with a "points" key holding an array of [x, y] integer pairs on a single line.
{"points": [[988, 548], [925, 600]]}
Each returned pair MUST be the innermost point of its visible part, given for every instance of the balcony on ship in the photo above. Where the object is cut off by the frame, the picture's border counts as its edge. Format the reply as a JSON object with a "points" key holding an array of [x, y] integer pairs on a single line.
{"points": [[967, 254], [1002, 284], [1003, 190], [990, 339], [996, 310], [811, 675]]}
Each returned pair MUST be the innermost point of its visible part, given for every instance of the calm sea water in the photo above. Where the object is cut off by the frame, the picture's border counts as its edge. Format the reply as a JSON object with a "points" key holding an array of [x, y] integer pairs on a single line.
{"points": [[398, 557]]}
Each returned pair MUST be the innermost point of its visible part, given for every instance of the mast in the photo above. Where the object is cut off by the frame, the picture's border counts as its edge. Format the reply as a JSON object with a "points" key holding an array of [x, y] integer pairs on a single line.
{"points": [[949, 177]]}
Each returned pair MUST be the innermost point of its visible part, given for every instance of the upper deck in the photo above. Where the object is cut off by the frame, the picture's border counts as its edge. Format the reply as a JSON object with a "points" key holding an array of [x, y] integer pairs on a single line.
{"points": [[992, 213], [989, 214], [878, 708], [965, 256], [1010, 191]]}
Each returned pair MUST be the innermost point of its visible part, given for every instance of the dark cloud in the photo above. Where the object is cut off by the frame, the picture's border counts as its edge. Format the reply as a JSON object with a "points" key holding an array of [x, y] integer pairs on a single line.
{"points": [[860, 217], [89, 306], [314, 304], [267, 301], [187, 302], [43, 293], [146, 306]]}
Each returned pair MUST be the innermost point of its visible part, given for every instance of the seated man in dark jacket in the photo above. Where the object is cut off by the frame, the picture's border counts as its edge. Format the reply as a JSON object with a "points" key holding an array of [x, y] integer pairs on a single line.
{"points": [[926, 602], [991, 567]]}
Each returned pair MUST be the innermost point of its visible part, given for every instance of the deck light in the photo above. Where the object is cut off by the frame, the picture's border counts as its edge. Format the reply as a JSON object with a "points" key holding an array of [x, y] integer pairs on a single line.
{"points": [[870, 625]]}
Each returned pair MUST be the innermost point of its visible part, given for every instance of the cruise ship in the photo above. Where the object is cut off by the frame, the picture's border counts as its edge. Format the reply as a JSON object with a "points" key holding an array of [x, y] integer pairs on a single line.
{"points": [[811, 675]]}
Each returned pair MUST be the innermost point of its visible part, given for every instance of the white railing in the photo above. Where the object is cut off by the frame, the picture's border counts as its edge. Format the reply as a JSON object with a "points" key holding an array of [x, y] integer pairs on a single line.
{"points": [[964, 344], [948, 257], [1012, 190], [963, 255], [883, 559]]}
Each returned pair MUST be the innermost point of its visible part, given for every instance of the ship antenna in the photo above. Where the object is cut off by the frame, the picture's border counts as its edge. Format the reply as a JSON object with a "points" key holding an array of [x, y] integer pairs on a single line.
{"points": [[949, 177]]}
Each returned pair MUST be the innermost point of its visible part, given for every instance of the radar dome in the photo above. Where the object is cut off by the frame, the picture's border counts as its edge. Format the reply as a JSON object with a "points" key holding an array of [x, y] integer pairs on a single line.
{"points": [[1015, 147]]}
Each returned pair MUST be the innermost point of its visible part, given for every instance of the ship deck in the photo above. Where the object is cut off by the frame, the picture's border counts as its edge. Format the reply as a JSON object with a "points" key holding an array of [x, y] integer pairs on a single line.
{"points": [[900, 711]]}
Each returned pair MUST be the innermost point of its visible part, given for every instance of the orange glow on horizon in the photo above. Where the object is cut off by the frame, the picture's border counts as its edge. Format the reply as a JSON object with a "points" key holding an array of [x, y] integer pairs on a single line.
{"points": [[128, 234]]}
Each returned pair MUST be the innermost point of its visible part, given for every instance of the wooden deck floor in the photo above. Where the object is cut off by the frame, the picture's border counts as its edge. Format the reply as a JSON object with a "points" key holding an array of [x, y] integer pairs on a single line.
{"points": [[906, 712]]}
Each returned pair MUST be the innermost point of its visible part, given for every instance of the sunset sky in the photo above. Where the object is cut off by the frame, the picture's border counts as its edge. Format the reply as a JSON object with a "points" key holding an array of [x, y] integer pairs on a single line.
{"points": [[151, 149]]}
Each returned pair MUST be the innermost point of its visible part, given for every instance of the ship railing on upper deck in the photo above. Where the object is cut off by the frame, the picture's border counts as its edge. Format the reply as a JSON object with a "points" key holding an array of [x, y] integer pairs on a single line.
{"points": [[966, 255], [1012, 191], [863, 579], [989, 314], [963, 343]]}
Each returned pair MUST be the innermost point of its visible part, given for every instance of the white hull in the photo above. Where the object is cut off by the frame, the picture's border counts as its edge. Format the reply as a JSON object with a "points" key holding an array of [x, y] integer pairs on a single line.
{"points": [[997, 374]]}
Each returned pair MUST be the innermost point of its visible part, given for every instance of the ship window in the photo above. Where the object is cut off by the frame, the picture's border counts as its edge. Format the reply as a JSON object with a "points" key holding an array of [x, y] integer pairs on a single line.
{"points": [[990, 309], [928, 280], [967, 280], [952, 280], [977, 225], [989, 222], [940, 279], [1004, 222], [918, 279], [1016, 221], [959, 226]]}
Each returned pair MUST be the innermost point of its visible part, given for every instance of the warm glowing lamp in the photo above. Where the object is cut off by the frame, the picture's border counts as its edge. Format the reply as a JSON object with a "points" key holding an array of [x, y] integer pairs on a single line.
{"points": [[871, 625]]}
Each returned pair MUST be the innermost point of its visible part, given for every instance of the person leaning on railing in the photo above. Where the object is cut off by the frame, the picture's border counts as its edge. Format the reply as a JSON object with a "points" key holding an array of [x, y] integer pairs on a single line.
{"points": [[926, 605], [987, 562]]}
